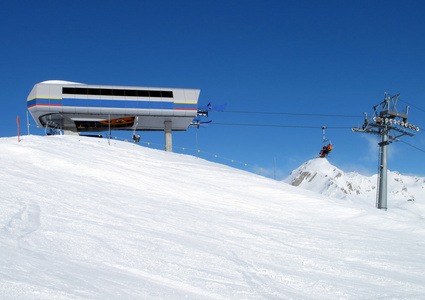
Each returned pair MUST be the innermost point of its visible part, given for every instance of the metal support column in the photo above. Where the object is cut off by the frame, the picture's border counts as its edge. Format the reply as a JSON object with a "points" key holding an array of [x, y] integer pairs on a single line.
{"points": [[381, 201], [168, 136]]}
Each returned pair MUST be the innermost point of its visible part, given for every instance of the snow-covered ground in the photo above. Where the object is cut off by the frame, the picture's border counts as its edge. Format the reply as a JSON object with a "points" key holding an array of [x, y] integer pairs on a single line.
{"points": [[81, 219]]}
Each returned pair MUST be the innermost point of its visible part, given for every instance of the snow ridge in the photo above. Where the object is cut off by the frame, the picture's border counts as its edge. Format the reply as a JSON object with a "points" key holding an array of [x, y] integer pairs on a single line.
{"points": [[320, 176]]}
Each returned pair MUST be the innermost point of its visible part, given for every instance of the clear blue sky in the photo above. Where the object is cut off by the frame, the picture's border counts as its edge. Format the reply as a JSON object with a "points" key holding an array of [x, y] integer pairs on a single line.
{"points": [[307, 57]]}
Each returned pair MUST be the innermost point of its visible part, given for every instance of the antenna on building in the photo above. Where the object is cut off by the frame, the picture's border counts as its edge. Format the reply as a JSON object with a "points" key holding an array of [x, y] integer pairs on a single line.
{"points": [[389, 125]]}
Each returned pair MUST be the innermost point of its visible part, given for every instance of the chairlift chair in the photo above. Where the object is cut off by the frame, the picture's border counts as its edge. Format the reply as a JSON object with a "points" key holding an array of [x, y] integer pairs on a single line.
{"points": [[327, 145]]}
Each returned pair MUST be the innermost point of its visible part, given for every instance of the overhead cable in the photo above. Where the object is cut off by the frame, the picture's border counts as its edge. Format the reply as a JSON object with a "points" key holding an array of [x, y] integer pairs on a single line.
{"points": [[288, 113], [413, 146], [283, 126], [411, 105]]}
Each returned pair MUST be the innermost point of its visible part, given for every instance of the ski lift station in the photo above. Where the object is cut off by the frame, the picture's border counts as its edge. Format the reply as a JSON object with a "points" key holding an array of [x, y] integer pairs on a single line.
{"points": [[76, 107]]}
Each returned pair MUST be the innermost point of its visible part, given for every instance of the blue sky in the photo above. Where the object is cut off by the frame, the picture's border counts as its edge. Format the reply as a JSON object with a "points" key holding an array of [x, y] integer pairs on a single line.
{"points": [[301, 57]]}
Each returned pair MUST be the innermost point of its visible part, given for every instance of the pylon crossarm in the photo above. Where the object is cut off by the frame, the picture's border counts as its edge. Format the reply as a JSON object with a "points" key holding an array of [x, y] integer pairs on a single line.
{"points": [[396, 138], [382, 123]]}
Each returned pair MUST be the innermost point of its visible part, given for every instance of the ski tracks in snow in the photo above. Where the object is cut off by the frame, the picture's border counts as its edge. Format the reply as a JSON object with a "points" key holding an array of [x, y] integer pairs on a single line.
{"points": [[25, 221]]}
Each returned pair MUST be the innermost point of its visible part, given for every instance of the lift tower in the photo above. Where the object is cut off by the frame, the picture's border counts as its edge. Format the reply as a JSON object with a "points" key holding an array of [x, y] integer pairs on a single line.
{"points": [[390, 125]]}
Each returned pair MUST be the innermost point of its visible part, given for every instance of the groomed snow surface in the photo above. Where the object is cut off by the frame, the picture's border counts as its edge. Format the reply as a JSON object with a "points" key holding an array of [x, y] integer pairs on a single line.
{"points": [[81, 219]]}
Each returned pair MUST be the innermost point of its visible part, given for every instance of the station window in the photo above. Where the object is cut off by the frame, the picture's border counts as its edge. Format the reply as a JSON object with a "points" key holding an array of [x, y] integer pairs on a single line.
{"points": [[143, 93], [131, 93], [117, 92], [167, 94], [80, 91], [154, 93], [106, 92], [67, 90], [93, 91]]}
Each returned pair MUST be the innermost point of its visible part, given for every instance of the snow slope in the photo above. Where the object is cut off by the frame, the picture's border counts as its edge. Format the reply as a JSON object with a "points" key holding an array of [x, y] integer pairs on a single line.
{"points": [[83, 220], [320, 176]]}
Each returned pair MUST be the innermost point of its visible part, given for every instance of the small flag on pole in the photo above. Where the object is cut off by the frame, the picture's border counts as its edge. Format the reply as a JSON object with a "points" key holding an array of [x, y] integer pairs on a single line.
{"points": [[17, 121]]}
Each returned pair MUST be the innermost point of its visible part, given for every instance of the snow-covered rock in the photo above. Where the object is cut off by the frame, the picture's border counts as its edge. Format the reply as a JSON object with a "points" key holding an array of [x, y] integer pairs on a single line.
{"points": [[322, 177]]}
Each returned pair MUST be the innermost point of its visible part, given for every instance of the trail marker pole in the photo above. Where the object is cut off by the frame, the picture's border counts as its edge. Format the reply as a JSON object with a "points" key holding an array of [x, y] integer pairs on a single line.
{"points": [[196, 137], [17, 121], [28, 124], [109, 130]]}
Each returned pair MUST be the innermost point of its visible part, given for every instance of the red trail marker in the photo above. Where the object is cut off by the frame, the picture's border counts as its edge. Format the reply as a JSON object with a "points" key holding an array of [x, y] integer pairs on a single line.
{"points": [[17, 121]]}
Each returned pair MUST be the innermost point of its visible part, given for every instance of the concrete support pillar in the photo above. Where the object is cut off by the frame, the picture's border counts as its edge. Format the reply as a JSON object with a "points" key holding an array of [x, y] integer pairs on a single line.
{"points": [[168, 137], [69, 132]]}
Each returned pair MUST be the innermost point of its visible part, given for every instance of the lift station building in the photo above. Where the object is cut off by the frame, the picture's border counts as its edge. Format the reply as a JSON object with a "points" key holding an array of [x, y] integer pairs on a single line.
{"points": [[76, 107]]}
